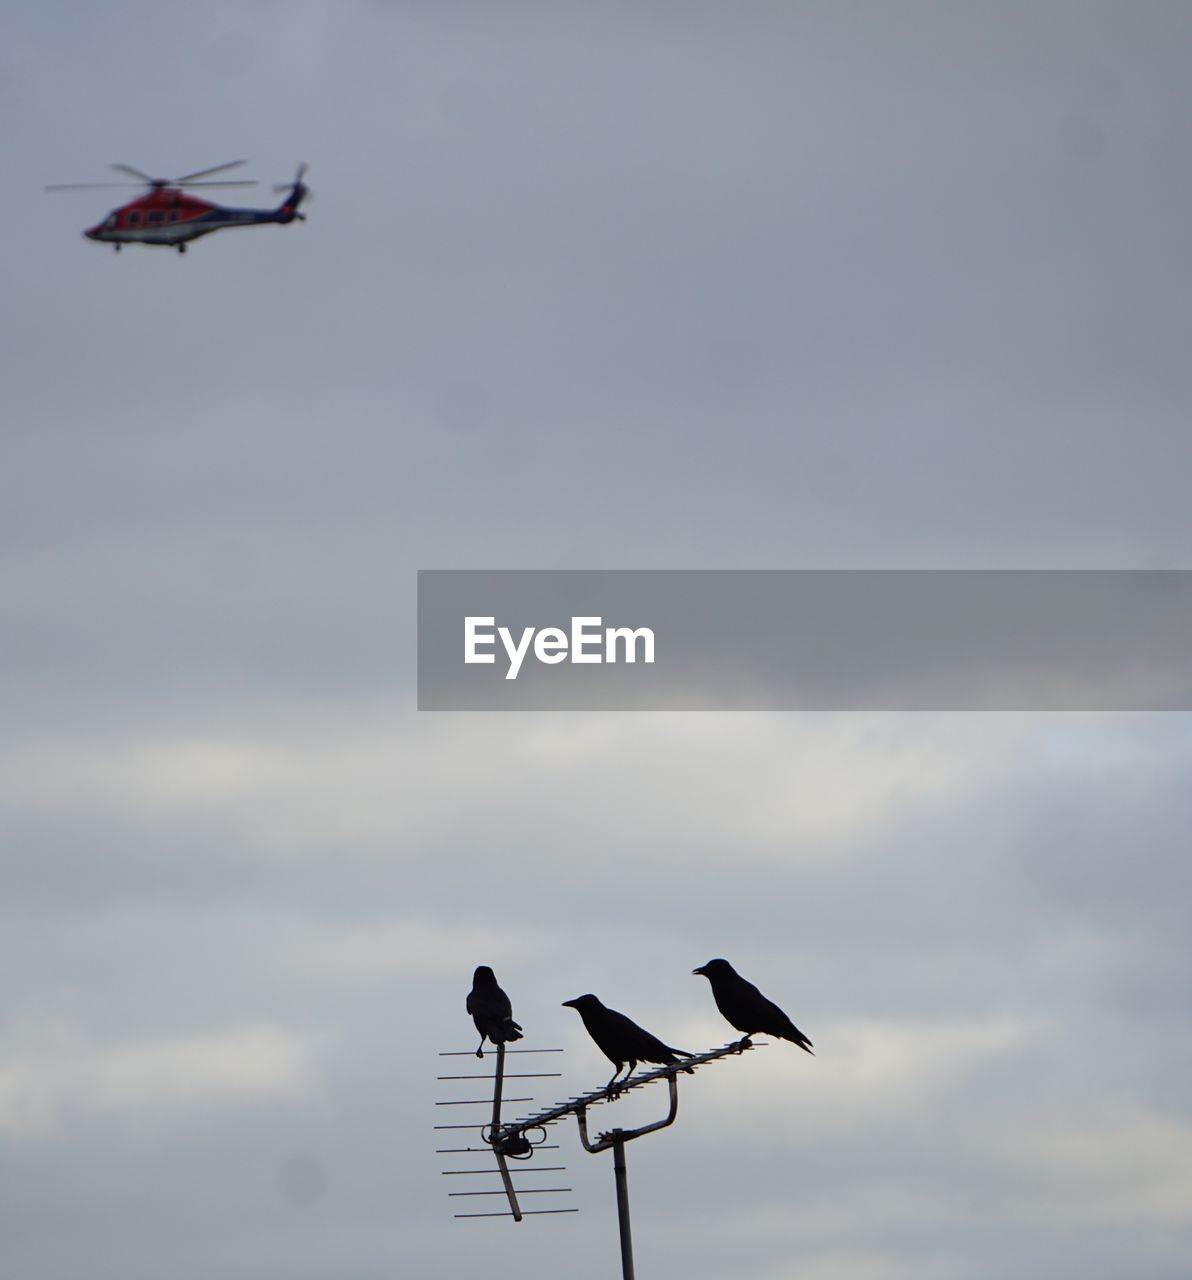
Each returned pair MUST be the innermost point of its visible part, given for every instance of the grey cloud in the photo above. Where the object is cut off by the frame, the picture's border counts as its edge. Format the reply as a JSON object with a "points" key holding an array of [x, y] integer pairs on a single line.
{"points": [[645, 286]]}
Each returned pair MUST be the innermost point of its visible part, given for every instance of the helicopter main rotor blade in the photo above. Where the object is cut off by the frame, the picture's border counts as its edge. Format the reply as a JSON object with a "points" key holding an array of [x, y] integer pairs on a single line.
{"points": [[202, 173], [136, 173], [162, 186]]}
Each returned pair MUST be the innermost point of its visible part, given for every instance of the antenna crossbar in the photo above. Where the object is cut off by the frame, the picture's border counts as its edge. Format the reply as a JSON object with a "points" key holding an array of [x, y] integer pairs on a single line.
{"points": [[509, 1075], [505, 1213], [471, 1053]]}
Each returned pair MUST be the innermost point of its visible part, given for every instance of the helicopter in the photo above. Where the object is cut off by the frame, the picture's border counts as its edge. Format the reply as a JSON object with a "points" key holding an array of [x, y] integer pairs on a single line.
{"points": [[167, 215]]}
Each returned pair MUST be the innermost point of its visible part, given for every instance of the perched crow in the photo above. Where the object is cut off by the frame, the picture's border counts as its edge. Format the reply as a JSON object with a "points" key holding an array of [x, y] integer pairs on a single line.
{"points": [[491, 1011], [621, 1040], [746, 1008]]}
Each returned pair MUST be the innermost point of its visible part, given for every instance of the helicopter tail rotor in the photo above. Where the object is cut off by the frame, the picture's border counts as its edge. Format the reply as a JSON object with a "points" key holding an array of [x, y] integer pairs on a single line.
{"points": [[298, 191]]}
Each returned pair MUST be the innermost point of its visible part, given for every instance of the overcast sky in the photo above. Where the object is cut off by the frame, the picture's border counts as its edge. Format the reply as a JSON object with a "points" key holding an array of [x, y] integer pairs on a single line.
{"points": [[596, 286]]}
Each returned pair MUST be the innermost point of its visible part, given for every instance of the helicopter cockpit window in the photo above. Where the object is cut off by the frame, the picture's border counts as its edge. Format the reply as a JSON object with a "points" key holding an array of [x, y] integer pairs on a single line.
{"points": [[111, 220]]}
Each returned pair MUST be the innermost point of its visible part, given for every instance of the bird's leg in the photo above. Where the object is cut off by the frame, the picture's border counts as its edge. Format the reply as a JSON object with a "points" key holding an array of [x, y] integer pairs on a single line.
{"points": [[480, 1048], [613, 1089], [629, 1070], [743, 1044]]}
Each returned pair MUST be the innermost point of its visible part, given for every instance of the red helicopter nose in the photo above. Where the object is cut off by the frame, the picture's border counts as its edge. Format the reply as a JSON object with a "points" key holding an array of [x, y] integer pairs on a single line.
{"points": [[92, 233]]}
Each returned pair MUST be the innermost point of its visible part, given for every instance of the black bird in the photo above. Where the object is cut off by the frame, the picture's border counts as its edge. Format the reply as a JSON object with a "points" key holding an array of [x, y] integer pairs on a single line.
{"points": [[491, 1010], [746, 1008], [621, 1040]]}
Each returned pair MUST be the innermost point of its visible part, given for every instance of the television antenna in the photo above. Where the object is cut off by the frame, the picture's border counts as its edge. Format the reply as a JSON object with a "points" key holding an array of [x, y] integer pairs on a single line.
{"points": [[513, 1141], [504, 1150]]}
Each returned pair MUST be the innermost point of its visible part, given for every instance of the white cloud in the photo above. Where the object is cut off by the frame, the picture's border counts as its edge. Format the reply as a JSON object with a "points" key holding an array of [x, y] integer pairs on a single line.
{"points": [[1127, 1164], [55, 1077]]}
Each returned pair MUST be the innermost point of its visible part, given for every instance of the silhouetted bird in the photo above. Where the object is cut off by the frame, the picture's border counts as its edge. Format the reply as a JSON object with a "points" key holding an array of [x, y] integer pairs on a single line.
{"points": [[746, 1008], [621, 1040], [491, 1010]]}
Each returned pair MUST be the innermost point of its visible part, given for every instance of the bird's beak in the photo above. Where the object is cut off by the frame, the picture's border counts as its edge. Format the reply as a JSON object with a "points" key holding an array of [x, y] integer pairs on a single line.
{"points": [[568, 1004], [700, 971]]}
